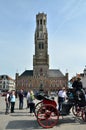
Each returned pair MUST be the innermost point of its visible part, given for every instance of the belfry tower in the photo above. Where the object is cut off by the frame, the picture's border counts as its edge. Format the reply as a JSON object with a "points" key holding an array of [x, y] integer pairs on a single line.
{"points": [[41, 77], [41, 57]]}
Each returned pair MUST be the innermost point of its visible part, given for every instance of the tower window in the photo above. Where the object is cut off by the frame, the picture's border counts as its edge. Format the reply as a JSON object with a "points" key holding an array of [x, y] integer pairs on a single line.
{"points": [[41, 21], [37, 22], [41, 45]]}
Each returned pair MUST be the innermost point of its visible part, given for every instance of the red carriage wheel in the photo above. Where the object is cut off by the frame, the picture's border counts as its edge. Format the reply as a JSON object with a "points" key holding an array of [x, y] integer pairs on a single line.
{"points": [[84, 115], [37, 106], [47, 116]]}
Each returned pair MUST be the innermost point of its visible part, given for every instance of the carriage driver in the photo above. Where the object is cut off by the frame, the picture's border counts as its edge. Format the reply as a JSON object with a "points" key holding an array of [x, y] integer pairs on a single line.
{"points": [[78, 89], [77, 85]]}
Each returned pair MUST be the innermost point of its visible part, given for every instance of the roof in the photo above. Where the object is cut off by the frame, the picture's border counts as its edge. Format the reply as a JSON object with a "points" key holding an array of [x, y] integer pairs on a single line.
{"points": [[51, 73], [6, 77], [27, 73], [55, 73]]}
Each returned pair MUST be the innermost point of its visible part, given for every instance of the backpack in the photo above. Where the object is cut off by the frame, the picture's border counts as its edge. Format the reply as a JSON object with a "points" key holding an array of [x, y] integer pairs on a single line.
{"points": [[32, 98], [8, 99]]}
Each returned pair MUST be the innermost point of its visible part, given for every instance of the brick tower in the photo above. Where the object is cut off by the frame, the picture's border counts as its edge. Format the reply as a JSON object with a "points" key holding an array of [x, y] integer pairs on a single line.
{"points": [[41, 57]]}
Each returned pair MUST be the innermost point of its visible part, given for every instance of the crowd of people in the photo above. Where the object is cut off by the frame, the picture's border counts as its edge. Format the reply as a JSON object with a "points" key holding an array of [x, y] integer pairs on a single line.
{"points": [[63, 95], [10, 100]]}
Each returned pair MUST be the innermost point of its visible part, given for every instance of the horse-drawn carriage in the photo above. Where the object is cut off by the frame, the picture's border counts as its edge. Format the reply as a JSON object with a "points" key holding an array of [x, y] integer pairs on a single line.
{"points": [[47, 113]]}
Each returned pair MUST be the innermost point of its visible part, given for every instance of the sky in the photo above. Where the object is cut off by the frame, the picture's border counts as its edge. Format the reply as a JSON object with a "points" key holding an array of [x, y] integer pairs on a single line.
{"points": [[66, 25]]}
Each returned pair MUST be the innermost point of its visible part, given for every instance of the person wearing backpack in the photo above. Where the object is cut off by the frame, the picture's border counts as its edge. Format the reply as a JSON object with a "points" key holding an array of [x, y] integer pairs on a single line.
{"points": [[31, 103], [7, 100]]}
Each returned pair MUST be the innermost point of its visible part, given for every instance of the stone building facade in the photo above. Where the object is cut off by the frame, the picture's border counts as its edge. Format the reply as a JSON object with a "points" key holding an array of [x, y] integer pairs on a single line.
{"points": [[6, 83], [41, 77]]}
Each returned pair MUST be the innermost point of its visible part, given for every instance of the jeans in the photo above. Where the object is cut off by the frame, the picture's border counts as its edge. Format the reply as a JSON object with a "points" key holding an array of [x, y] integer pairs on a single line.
{"points": [[32, 107], [21, 104], [7, 107], [60, 101], [12, 106]]}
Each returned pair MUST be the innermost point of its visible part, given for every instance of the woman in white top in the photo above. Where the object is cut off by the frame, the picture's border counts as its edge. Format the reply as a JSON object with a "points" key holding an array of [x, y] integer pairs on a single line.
{"points": [[61, 97], [27, 98], [12, 101]]}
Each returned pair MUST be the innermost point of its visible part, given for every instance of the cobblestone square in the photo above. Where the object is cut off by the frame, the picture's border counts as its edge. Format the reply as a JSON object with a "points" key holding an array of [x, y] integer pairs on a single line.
{"points": [[21, 120]]}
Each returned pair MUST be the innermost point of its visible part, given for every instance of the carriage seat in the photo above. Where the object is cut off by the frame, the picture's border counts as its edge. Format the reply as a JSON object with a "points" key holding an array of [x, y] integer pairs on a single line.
{"points": [[49, 101], [40, 95]]}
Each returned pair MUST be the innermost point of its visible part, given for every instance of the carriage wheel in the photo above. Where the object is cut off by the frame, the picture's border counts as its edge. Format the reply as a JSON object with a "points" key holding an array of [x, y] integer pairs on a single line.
{"points": [[76, 110], [47, 116], [37, 106], [84, 116]]}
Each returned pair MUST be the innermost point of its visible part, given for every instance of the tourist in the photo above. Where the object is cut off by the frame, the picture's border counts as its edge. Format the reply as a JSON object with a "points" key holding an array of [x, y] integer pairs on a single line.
{"points": [[7, 100], [12, 100], [21, 98], [27, 98], [62, 96], [31, 103]]}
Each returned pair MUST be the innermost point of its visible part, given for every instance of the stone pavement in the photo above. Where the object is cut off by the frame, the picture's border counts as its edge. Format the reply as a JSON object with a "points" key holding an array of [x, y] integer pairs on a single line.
{"points": [[21, 120]]}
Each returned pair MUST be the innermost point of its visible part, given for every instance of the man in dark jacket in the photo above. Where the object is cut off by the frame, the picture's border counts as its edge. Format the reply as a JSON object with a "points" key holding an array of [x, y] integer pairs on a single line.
{"points": [[21, 97], [77, 84]]}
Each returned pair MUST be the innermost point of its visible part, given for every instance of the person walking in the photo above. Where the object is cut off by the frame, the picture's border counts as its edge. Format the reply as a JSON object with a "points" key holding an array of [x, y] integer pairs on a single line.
{"points": [[12, 98], [31, 103], [7, 100]]}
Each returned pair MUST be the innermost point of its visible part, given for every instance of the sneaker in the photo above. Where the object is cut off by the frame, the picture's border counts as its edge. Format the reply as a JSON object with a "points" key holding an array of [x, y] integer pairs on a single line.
{"points": [[32, 114], [6, 113]]}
